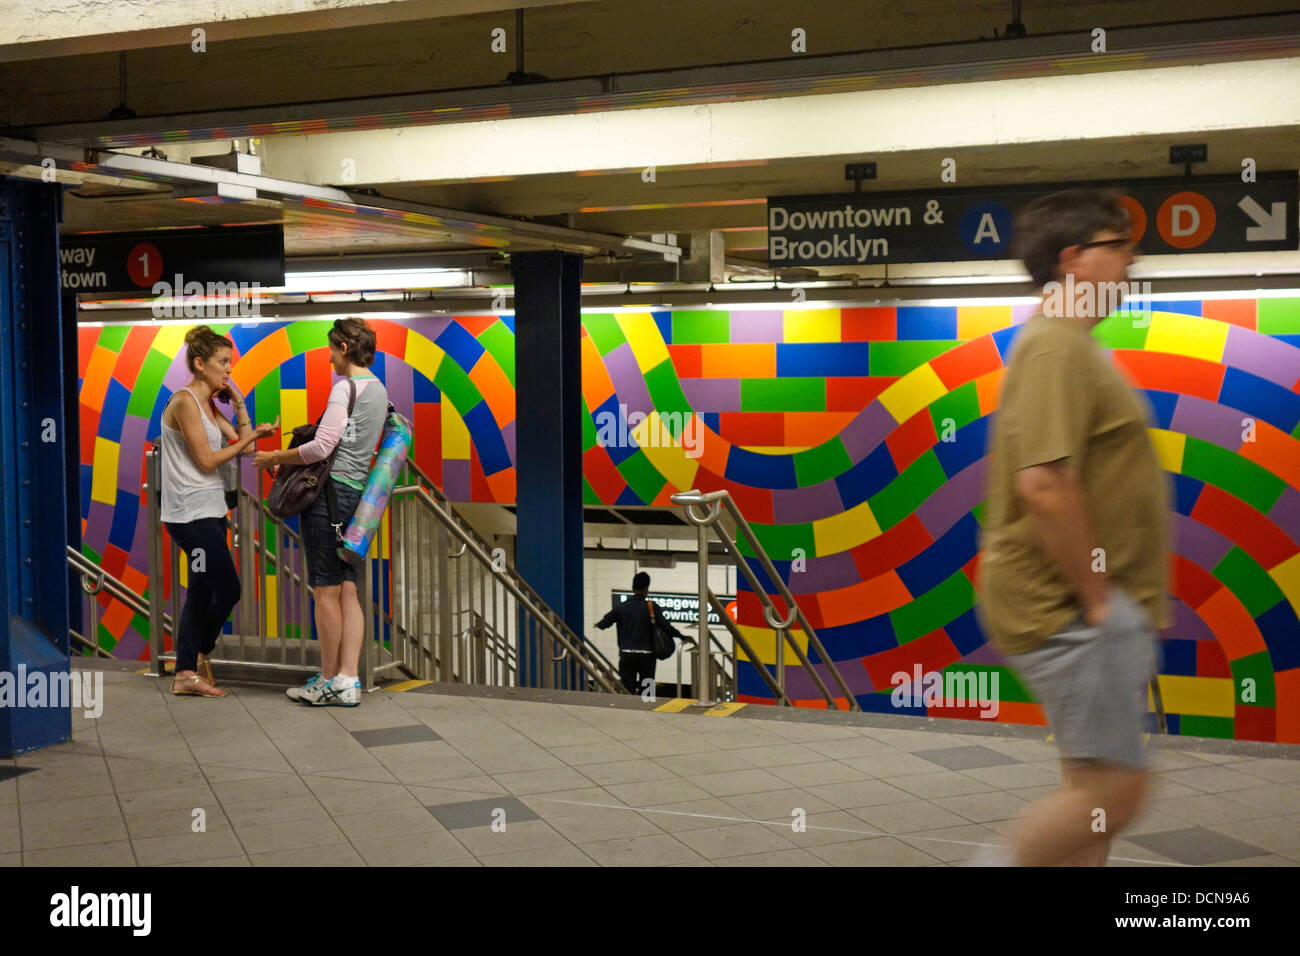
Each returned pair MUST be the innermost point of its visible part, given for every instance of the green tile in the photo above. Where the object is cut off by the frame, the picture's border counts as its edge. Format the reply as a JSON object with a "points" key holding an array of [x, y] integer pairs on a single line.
{"points": [[1279, 316], [930, 611], [1249, 582], [588, 427], [589, 496], [908, 491], [978, 512], [1227, 470], [899, 358], [781, 540], [454, 383], [500, 344], [1009, 686], [701, 327], [666, 392], [1194, 725], [111, 337], [828, 460], [604, 330], [1259, 668], [962, 405], [148, 384], [783, 394], [266, 395], [1118, 331], [306, 335], [642, 476]]}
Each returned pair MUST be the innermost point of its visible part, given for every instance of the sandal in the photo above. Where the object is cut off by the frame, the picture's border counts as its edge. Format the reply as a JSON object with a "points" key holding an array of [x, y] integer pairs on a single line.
{"points": [[205, 670], [195, 690]]}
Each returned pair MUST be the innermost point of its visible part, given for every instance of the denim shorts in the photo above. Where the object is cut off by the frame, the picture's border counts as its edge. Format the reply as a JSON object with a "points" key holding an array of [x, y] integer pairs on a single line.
{"points": [[324, 566], [1092, 683]]}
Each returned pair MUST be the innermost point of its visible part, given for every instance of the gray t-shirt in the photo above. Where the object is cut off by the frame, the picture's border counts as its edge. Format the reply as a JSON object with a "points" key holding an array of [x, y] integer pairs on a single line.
{"points": [[362, 432]]}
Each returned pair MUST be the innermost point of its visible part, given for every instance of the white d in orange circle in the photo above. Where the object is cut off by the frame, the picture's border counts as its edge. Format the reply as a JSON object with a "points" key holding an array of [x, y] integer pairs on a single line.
{"points": [[1185, 220]]}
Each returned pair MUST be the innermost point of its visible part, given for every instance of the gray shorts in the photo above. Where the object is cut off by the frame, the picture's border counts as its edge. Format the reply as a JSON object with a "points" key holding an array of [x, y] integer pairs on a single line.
{"points": [[1092, 683]]}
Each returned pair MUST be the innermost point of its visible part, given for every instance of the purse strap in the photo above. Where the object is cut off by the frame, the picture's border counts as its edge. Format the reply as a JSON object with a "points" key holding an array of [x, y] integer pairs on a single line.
{"points": [[331, 494]]}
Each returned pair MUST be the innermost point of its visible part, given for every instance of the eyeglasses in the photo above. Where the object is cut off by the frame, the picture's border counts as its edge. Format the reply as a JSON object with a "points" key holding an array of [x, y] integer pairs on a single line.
{"points": [[1117, 243]]}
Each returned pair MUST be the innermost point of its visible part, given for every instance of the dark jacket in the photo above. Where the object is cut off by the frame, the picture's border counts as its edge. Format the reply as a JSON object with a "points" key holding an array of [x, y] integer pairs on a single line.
{"points": [[633, 620]]}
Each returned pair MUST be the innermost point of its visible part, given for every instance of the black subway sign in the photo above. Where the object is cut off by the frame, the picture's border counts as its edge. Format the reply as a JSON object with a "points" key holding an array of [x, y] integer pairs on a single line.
{"points": [[159, 262], [677, 607], [1168, 216]]}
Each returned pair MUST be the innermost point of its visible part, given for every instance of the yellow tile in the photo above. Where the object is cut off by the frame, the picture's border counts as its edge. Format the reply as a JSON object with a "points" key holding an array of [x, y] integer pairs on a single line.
{"points": [[1202, 696], [103, 481], [422, 355], [914, 391], [293, 412], [270, 597], [406, 685], [643, 335], [1169, 448], [1189, 335], [976, 320], [763, 641], [455, 433], [1287, 577], [169, 340], [669, 458], [848, 529], [812, 325]]}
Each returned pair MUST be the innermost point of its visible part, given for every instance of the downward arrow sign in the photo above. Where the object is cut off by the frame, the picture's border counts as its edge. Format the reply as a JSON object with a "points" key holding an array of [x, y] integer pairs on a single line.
{"points": [[1267, 225]]}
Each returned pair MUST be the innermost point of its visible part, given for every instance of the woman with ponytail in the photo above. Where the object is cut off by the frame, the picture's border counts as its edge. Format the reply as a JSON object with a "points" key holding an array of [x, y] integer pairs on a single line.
{"points": [[194, 502]]}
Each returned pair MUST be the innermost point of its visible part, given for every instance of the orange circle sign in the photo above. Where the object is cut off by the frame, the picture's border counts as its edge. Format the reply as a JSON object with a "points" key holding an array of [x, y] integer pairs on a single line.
{"points": [[1185, 220], [1137, 218]]}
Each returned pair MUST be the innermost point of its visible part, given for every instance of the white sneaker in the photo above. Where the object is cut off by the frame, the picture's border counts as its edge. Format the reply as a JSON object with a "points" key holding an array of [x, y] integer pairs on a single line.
{"points": [[296, 693], [341, 691]]}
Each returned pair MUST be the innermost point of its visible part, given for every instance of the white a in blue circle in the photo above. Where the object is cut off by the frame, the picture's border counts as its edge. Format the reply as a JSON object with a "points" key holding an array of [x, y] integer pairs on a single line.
{"points": [[985, 228]]}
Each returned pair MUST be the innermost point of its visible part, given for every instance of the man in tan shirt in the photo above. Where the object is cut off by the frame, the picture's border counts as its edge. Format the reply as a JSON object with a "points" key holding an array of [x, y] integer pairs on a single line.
{"points": [[1073, 574]]}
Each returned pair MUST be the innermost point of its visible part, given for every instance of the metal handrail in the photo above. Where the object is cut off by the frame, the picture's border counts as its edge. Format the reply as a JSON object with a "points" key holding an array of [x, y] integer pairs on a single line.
{"points": [[449, 516], [713, 503], [593, 662]]}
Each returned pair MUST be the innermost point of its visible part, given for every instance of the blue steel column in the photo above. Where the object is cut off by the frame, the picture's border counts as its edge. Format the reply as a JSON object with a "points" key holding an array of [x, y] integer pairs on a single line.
{"points": [[548, 434], [33, 480]]}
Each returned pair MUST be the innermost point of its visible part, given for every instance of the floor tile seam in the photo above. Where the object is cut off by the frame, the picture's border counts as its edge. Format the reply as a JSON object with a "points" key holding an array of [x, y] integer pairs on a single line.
{"points": [[117, 798]]}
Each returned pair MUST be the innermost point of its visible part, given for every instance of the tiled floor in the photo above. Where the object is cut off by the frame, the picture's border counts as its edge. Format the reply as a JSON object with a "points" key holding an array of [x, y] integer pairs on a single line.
{"points": [[436, 779]]}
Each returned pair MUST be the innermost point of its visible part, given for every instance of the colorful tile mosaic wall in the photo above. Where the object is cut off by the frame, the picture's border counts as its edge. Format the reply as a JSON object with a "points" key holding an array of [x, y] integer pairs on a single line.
{"points": [[826, 426]]}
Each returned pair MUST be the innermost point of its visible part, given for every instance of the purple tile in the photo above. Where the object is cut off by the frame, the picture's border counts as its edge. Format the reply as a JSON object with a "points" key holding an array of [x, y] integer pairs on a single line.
{"points": [[629, 382], [867, 430], [1199, 543], [986, 655], [797, 505], [712, 394], [456, 479], [1261, 355], [431, 326], [1025, 312], [1187, 624], [1286, 513], [757, 326], [1209, 421], [399, 380], [827, 573], [508, 436], [130, 646], [954, 500], [130, 458], [176, 375], [98, 524], [799, 685]]}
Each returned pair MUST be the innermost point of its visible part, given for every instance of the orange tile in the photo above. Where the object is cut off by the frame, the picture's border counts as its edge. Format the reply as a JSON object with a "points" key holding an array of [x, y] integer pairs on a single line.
{"points": [[743, 360], [1233, 627], [495, 388]]}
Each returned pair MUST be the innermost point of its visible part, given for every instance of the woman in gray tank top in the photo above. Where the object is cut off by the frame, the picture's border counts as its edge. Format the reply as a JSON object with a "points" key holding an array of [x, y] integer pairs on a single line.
{"points": [[194, 503], [339, 621]]}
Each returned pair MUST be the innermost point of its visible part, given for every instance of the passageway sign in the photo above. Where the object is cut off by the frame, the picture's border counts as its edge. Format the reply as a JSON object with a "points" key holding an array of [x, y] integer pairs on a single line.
{"points": [[134, 262], [679, 607], [1168, 216]]}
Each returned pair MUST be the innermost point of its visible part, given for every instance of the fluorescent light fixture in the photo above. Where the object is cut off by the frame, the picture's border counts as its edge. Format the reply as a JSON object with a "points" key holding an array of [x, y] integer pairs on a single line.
{"points": [[377, 281]]}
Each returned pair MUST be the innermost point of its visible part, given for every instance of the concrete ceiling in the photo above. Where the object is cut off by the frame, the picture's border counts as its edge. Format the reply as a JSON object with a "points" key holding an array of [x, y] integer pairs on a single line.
{"points": [[63, 99]]}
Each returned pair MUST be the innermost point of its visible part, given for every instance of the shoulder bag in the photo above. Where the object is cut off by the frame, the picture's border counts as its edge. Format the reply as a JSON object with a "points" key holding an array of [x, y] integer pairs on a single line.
{"points": [[664, 645], [296, 486]]}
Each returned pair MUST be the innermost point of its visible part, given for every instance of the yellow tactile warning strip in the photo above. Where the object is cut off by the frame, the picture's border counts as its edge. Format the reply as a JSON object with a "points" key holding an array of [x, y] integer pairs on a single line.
{"points": [[724, 710], [677, 705], [407, 685]]}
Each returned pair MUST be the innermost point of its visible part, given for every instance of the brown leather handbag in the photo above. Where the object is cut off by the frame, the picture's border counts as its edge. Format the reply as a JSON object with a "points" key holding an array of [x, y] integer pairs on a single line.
{"points": [[296, 486]]}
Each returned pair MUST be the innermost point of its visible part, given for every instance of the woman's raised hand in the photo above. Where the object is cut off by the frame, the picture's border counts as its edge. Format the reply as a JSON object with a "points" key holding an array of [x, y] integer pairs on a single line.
{"points": [[265, 430]]}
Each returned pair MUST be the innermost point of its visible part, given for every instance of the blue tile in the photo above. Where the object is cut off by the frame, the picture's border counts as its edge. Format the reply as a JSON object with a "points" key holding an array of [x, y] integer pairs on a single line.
{"points": [[927, 322], [423, 389], [1005, 340], [489, 444], [293, 373], [968, 448], [859, 638], [759, 470], [965, 633], [946, 555], [125, 512], [1186, 491], [629, 497], [820, 359], [1256, 396], [1281, 633], [463, 348], [713, 420], [665, 322], [1163, 406], [867, 477], [113, 410], [1179, 658], [1180, 306]]}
